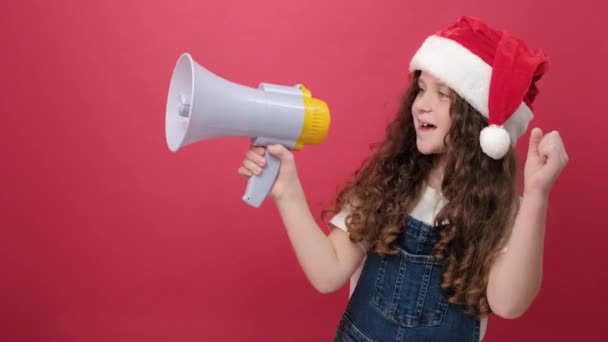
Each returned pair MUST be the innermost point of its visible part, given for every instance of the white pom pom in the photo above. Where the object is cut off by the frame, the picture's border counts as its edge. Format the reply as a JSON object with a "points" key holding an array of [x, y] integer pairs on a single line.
{"points": [[494, 141]]}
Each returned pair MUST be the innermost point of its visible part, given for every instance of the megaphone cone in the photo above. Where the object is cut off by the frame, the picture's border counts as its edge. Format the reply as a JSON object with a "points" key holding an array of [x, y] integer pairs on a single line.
{"points": [[202, 105]]}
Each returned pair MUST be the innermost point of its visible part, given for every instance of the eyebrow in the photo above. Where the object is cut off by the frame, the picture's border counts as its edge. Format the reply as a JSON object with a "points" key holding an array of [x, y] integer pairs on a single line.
{"points": [[443, 85], [437, 84]]}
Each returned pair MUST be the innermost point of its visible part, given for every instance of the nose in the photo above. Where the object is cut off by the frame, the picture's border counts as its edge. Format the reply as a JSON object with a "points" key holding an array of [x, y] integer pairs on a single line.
{"points": [[422, 103]]}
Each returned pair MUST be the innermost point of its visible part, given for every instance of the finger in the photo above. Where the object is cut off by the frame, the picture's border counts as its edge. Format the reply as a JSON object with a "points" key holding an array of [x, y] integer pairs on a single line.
{"points": [[280, 152], [560, 148], [549, 144], [258, 150], [551, 147], [252, 167], [255, 157], [244, 172], [535, 138], [564, 155]]}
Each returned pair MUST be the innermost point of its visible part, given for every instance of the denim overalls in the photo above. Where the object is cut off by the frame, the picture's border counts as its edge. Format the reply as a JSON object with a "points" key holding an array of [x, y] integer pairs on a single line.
{"points": [[399, 298]]}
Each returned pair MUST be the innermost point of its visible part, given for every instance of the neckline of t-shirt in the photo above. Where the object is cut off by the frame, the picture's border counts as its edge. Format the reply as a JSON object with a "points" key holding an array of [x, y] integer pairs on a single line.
{"points": [[430, 192]]}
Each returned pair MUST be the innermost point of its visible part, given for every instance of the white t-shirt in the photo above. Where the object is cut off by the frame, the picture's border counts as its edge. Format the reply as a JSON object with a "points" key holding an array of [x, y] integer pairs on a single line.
{"points": [[426, 209]]}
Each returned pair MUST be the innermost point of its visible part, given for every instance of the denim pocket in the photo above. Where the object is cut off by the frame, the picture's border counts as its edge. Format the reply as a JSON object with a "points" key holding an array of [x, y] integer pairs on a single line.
{"points": [[407, 290]]}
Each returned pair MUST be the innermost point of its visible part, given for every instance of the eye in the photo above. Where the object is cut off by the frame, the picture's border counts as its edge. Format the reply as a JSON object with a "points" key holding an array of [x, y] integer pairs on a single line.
{"points": [[443, 94]]}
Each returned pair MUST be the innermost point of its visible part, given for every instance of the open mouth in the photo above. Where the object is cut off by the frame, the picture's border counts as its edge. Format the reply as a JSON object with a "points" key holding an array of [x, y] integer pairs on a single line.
{"points": [[425, 126]]}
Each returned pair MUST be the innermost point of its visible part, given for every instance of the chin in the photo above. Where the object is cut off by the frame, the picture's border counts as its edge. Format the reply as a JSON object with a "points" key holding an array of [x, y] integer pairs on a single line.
{"points": [[428, 150]]}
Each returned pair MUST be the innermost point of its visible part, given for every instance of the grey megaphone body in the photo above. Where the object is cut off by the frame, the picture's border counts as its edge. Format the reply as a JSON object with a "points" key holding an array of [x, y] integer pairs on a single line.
{"points": [[202, 105]]}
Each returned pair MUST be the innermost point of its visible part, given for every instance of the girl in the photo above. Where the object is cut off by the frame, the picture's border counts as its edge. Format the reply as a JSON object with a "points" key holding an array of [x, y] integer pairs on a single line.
{"points": [[431, 231]]}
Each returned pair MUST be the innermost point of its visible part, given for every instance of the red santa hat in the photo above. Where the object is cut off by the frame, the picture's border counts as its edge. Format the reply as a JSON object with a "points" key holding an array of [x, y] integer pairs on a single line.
{"points": [[494, 71]]}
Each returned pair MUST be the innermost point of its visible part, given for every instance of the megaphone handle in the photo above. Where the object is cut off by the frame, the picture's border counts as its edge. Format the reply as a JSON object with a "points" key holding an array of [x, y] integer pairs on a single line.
{"points": [[258, 186]]}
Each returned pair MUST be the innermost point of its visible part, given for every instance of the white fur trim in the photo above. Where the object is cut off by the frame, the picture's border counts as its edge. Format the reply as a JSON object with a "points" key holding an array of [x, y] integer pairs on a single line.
{"points": [[517, 124], [468, 75]]}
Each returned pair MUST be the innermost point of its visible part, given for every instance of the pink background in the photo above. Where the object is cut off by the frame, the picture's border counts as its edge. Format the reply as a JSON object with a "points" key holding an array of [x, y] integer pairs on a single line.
{"points": [[107, 236]]}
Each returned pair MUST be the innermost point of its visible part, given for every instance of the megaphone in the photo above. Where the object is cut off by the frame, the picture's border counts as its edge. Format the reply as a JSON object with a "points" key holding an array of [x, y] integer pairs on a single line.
{"points": [[202, 105]]}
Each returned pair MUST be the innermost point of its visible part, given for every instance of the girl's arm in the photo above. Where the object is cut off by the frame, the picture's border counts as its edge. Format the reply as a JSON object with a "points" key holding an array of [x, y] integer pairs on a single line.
{"points": [[328, 261], [516, 274]]}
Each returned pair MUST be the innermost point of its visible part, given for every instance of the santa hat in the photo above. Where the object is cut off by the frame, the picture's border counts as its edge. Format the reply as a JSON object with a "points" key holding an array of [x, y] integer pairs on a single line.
{"points": [[494, 71]]}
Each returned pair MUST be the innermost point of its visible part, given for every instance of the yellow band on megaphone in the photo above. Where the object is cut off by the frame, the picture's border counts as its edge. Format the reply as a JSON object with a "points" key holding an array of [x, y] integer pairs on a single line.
{"points": [[316, 121]]}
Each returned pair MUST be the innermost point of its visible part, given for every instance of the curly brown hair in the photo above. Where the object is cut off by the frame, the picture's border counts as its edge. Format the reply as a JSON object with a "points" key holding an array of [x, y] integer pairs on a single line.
{"points": [[476, 220]]}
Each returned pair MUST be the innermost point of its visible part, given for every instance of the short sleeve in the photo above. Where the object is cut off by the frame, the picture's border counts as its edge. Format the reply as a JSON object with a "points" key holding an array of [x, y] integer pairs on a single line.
{"points": [[339, 220]]}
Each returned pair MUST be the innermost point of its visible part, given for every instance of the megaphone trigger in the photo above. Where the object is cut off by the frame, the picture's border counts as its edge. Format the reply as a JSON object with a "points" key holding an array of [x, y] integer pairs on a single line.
{"points": [[259, 186]]}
